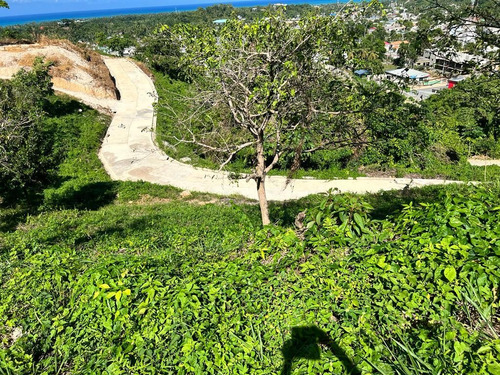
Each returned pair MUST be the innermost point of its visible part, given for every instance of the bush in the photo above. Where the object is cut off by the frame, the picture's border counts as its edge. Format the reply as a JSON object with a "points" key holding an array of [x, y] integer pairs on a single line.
{"points": [[176, 289], [24, 145]]}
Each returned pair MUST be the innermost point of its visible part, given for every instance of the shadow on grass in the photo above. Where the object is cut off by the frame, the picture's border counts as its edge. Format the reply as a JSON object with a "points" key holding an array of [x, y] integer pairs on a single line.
{"points": [[385, 203], [91, 196], [62, 105], [284, 213], [306, 342], [390, 203], [11, 218]]}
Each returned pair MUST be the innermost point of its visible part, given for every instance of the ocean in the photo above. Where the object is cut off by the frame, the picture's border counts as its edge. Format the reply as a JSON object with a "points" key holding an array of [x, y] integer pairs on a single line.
{"points": [[46, 17]]}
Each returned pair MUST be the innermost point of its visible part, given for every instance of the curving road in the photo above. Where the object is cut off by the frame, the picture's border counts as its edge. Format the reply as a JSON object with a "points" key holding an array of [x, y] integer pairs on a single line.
{"points": [[129, 153]]}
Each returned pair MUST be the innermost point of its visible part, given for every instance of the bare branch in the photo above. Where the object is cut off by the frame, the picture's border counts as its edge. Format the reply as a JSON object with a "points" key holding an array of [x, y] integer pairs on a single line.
{"points": [[236, 150]]}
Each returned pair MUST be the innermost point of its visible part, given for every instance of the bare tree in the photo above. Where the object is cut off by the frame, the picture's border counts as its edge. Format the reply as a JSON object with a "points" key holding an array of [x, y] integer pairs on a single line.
{"points": [[270, 87]]}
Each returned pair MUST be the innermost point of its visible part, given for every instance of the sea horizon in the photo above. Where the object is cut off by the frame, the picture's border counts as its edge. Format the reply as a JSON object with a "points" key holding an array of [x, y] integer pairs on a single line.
{"points": [[104, 13]]}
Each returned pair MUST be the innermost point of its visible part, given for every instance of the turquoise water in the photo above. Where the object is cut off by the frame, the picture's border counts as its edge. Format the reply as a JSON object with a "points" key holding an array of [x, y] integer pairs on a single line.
{"points": [[46, 17]]}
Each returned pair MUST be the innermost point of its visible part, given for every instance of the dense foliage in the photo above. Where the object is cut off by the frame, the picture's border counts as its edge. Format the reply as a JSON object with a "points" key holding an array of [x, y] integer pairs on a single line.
{"points": [[105, 277], [102, 277], [178, 289], [467, 118], [383, 131], [132, 28], [25, 144], [404, 138]]}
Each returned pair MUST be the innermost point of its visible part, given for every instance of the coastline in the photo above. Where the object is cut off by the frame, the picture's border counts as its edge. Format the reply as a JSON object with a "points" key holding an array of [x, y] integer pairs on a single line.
{"points": [[106, 13]]}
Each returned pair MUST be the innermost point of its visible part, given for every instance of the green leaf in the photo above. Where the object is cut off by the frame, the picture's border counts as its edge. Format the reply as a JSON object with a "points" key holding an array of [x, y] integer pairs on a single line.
{"points": [[484, 349], [450, 273], [104, 286], [494, 368], [318, 218], [455, 222], [359, 220]]}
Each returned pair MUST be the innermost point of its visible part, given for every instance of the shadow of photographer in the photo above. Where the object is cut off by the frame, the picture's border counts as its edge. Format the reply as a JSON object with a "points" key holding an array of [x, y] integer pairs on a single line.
{"points": [[307, 342]]}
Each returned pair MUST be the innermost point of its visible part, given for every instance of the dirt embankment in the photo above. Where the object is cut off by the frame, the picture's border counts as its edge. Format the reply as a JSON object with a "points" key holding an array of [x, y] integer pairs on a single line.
{"points": [[74, 69]]}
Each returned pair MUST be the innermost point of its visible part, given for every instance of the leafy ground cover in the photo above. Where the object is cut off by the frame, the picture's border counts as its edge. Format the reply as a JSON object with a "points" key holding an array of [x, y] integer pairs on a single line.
{"points": [[184, 289], [102, 277]]}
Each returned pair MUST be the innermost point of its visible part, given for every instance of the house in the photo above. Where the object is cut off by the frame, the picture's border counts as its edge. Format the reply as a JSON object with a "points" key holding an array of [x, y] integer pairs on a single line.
{"points": [[392, 48], [129, 51], [423, 62], [453, 81], [406, 73], [452, 61]]}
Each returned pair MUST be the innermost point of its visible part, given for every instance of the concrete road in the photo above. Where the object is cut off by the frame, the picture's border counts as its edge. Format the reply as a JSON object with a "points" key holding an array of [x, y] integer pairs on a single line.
{"points": [[484, 162], [423, 93], [129, 153]]}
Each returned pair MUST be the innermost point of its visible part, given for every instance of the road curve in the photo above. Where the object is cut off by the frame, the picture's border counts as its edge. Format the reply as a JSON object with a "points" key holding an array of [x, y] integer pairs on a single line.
{"points": [[129, 153]]}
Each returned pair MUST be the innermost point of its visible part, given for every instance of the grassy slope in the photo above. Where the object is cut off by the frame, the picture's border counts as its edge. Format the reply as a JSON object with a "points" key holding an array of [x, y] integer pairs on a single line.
{"points": [[116, 278], [170, 90]]}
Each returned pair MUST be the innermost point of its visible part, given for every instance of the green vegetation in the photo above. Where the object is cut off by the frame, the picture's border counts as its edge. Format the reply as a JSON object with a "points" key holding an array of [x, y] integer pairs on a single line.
{"points": [[109, 277], [104, 277], [25, 153], [429, 140], [386, 133], [177, 288], [466, 119], [132, 28]]}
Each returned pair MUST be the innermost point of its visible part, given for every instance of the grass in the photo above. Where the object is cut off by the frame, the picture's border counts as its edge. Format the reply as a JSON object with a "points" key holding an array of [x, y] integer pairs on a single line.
{"points": [[330, 165], [113, 277]]}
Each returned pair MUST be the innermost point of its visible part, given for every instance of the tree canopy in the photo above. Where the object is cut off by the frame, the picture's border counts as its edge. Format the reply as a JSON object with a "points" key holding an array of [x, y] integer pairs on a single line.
{"points": [[276, 86], [22, 144]]}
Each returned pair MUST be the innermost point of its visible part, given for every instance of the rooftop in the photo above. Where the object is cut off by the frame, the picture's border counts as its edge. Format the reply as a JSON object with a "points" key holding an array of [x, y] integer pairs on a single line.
{"points": [[408, 73]]}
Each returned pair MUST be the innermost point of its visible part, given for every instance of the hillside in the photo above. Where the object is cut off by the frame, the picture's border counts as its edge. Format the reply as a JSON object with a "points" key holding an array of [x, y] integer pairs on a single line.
{"points": [[117, 259], [108, 277], [75, 71]]}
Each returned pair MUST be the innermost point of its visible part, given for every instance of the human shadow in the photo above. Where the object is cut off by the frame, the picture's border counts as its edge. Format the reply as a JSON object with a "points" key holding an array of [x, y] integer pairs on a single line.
{"points": [[306, 342]]}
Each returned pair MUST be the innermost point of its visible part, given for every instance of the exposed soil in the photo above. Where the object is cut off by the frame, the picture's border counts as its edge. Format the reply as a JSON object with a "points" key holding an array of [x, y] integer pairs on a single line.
{"points": [[74, 69]]}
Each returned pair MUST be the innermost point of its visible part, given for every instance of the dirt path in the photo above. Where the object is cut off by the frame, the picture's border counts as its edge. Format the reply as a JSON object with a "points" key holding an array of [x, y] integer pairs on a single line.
{"points": [[129, 153]]}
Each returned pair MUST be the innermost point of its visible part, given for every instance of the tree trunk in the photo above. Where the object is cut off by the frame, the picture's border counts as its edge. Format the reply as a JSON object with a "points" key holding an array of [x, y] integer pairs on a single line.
{"points": [[260, 179], [264, 209]]}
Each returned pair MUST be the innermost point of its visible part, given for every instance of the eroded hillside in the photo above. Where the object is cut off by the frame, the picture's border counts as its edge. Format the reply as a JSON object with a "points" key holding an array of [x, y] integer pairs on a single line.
{"points": [[75, 70]]}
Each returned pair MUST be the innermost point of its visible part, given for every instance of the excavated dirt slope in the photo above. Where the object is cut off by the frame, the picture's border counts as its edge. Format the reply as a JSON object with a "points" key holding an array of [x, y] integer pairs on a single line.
{"points": [[75, 70]]}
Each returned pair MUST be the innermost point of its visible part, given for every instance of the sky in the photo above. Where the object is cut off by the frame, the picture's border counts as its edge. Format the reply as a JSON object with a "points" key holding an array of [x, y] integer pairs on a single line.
{"points": [[26, 7]]}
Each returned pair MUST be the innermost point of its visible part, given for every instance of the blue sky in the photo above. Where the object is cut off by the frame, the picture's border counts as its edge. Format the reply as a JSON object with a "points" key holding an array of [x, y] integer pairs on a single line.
{"points": [[22, 7]]}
